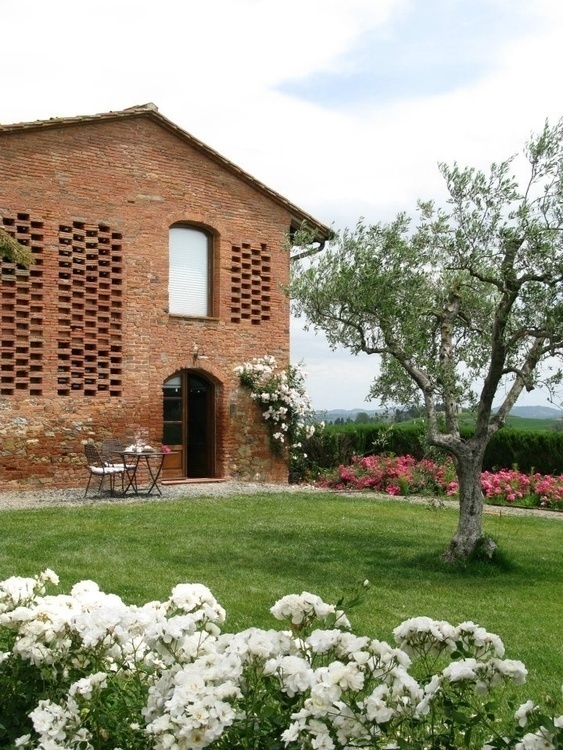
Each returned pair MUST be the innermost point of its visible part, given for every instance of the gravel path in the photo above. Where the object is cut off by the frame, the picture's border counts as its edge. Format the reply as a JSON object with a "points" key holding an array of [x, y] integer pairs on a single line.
{"points": [[19, 500]]}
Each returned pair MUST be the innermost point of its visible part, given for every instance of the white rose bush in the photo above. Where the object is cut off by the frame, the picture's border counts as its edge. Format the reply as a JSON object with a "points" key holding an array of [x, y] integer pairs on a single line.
{"points": [[282, 396], [85, 670]]}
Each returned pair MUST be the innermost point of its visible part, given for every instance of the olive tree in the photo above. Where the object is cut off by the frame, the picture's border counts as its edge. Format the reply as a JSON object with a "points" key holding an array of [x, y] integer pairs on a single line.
{"points": [[12, 250], [463, 305]]}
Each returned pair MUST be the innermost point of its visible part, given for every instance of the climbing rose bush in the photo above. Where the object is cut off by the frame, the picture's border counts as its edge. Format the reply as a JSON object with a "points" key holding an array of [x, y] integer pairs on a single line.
{"points": [[282, 396], [404, 475], [84, 670]]}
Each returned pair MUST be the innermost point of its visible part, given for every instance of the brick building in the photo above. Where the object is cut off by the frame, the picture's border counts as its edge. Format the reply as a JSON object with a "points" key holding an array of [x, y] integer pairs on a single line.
{"points": [[159, 267]]}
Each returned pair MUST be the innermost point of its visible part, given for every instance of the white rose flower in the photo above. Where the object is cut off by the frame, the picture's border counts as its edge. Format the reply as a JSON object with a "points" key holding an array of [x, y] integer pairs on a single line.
{"points": [[523, 712], [464, 669]]}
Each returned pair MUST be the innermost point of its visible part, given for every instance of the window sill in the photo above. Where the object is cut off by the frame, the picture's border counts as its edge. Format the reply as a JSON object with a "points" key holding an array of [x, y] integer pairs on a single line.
{"points": [[204, 318]]}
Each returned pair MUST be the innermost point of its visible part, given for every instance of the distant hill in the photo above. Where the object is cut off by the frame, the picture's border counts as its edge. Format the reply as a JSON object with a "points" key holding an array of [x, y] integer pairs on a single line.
{"points": [[526, 412], [332, 414], [536, 412]]}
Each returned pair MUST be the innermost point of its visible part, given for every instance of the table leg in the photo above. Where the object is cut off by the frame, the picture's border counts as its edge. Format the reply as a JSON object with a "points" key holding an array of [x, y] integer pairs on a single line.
{"points": [[154, 473], [130, 474]]}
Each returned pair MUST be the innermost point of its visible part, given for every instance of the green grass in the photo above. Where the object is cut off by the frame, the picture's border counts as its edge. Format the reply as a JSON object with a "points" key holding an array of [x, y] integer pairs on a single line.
{"points": [[467, 419], [532, 423], [250, 550]]}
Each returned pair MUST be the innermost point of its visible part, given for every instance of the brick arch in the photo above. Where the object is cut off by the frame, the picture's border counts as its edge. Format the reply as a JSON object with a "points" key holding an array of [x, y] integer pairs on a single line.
{"points": [[213, 225], [212, 372]]}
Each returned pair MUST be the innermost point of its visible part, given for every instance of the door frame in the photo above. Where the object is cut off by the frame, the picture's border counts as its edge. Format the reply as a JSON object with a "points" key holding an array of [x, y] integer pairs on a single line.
{"points": [[176, 464]]}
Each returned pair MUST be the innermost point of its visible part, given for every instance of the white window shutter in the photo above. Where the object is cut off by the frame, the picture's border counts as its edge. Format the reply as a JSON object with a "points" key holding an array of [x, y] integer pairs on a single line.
{"points": [[188, 279]]}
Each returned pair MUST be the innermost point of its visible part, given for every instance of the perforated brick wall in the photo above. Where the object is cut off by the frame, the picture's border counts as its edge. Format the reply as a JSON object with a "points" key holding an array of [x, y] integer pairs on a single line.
{"points": [[90, 310], [22, 301], [251, 284]]}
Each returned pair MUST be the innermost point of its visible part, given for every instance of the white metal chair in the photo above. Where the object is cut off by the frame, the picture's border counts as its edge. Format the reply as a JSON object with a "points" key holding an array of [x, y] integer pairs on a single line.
{"points": [[101, 467]]}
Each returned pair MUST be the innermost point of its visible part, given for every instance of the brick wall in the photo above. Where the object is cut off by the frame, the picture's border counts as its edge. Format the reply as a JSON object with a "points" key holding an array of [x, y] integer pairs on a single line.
{"points": [[86, 337]]}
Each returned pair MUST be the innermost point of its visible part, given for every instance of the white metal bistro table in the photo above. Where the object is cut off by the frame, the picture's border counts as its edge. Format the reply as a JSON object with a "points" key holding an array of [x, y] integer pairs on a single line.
{"points": [[133, 462]]}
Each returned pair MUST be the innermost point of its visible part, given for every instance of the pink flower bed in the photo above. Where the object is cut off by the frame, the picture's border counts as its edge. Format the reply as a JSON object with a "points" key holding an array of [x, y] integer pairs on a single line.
{"points": [[404, 475], [511, 486]]}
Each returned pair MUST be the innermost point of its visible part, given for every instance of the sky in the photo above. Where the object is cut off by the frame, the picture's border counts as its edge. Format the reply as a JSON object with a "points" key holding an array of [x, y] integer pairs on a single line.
{"points": [[344, 107]]}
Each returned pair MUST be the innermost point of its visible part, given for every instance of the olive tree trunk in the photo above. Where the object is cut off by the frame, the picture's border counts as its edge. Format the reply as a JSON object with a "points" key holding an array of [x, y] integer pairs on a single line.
{"points": [[469, 533]]}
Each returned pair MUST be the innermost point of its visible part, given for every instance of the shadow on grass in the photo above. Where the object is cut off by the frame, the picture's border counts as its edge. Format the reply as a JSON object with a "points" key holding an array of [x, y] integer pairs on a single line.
{"points": [[388, 557], [477, 566]]}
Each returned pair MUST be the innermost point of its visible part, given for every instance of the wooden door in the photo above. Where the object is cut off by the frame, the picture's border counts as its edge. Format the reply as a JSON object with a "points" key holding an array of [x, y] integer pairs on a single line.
{"points": [[189, 426]]}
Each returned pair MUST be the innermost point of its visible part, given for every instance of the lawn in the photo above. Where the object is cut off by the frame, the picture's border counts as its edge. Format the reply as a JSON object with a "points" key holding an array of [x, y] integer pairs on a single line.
{"points": [[252, 549]]}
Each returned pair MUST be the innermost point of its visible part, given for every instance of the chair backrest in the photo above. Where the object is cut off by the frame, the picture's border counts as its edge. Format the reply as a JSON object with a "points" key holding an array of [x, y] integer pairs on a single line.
{"points": [[92, 455], [111, 446]]}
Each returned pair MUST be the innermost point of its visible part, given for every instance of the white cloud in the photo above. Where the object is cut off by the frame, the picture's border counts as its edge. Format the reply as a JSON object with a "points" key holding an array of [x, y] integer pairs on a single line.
{"points": [[334, 379]]}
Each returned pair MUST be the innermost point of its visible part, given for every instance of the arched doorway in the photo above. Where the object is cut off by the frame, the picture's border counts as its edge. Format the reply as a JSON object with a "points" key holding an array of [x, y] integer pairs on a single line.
{"points": [[189, 425]]}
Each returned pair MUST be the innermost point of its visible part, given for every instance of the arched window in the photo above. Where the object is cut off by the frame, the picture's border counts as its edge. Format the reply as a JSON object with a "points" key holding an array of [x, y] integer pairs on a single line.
{"points": [[189, 277]]}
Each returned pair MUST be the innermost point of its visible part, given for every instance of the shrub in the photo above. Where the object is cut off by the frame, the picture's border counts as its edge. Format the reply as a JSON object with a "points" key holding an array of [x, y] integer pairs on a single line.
{"points": [[109, 675], [393, 475], [285, 405], [512, 486], [531, 451], [404, 475]]}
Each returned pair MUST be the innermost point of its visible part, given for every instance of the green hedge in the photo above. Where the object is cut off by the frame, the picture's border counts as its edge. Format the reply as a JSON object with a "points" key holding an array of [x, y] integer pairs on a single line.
{"points": [[528, 450], [540, 451]]}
